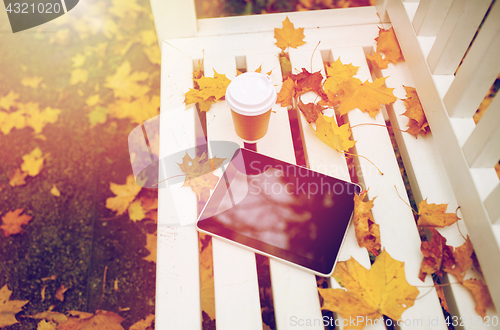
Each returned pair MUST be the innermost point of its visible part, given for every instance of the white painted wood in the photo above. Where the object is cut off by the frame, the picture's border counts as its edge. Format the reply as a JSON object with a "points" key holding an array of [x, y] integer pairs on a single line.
{"points": [[492, 204], [430, 16], [236, 286], [482, 149], [455, 35], [381, 5], [399, 237], [478, 71], [484, 236], [174, 19], [428, 179]]}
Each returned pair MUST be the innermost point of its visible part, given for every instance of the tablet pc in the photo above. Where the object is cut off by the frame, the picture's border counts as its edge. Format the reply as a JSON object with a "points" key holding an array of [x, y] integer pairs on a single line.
{"points": [[280, 210]]}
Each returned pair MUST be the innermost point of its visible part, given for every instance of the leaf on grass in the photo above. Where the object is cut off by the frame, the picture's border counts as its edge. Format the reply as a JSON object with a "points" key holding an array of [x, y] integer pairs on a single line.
{"points": [[287, 93], [333, 135], [78, 60], [50, 316], [86, 321], [8, 121], [54, 191], [144, 324], [125, 9], [138, 111], [135, 211], [79, 75], [367, 97], [199, 174], [33, 162], [18, 178], [378, 61], [9, 100], [37, 119], [32, 82], [310, 110], [9, 308], [388, 44], [151, 241], [125, 194], [60, 292], [367, 231], [417, 123], [98, 116], [125, 84], [433, 215], [44, 325], [93, 100], [289, 36], [153, 54], [382, 290], [481, 295]]}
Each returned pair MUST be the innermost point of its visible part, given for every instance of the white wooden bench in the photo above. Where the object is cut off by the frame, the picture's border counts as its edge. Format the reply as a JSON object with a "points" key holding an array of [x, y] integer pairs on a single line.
{"points": [[452, 165]]}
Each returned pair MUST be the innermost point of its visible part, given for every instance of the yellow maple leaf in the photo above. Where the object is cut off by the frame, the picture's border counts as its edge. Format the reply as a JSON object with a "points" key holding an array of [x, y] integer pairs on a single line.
{"points": [[33, 162], [8, 121], [199, 174], [287, 93], [125, 8], [367, 231], [97, 116], [125, 84], [37, 119], [153, 54], [333, 135], [367, 97], [387, 43], [78, 60], [79, 75], [148, 37], [417, 123], [151, 240], [9, 100], [208, 91], [125, 194], [338, 73], [32, 82], [18, 178], [382, 290], [288, 36], [378, 61], [46, 325], [135, 211], [93, 100], [9, 308], [54, 191], [138, 111], [434, 215], [481, 295]]}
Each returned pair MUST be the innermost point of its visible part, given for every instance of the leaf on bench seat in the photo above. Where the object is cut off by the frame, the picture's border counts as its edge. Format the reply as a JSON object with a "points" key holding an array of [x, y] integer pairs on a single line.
{"points": [[289, 36], [433, 215], [367, 231], [387, 43]]}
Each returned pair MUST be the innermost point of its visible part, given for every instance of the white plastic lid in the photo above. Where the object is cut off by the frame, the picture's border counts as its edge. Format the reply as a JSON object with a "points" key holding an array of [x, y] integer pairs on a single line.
{"points": [[251, 94]]}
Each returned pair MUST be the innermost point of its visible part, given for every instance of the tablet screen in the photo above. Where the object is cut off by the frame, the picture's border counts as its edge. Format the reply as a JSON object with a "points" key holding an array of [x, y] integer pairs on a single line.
{"points": [[280, 209]]}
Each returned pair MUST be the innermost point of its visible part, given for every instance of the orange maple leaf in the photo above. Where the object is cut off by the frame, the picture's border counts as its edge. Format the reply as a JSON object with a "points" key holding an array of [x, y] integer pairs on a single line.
{"points": [[144, 324], [378, 61], [199, 174], [12, 222], [289, 36], [417, 123], [86, 321], [367, 231], [310, 110], [433, 215], [9, 308], [481, 295], [456, 262], [307, 81], [125, 194], [333, 135], [367, 97], [382, 290], [18, 178], [151, 243], [286, 65], [60, 292], [433, 254], [287, 93], [387, 43]]}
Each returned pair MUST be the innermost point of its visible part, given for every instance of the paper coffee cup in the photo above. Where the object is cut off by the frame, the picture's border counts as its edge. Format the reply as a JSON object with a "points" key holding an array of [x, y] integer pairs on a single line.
{"points": [[250, 97]]}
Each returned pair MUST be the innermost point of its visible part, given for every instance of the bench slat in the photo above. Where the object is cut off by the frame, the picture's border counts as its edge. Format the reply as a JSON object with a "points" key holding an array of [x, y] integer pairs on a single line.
{"points": [[430, 16], [459, 26], [428, 179], [478, 71], [235, 270], [399, 237]]}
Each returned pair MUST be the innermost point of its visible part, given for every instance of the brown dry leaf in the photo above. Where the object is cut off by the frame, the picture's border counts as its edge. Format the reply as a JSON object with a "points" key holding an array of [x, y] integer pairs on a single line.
{"points": [[378, 61], [145, 324], [287, 93], [388, 44], [458, 262], [85, 321], [288, 36], [55, 317], [125, 194], [433, 254], [382, 290], [481, 295], [42, 292], [367, 97], [18, 178], [367, 231], [151, 242], [333, 135], [433, 215], [60, 292], [417, 123], [199, 174], [9, 308], [307, 81], [310, 111], [125, 84], [13, 221]]}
